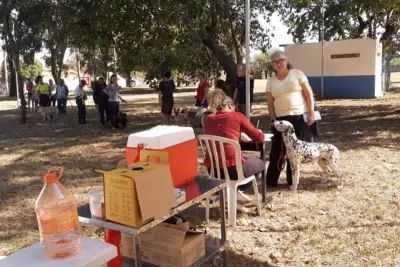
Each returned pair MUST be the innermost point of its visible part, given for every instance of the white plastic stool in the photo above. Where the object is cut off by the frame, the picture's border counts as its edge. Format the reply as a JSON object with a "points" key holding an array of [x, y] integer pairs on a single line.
{"points": [[94, 253]]}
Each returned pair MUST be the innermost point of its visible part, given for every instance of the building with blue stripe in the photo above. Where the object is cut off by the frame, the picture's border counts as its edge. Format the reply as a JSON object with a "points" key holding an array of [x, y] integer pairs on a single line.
{"points": [[352, 68]]}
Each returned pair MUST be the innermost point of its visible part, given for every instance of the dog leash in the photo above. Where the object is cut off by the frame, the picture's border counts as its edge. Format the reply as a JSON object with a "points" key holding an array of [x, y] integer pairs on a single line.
{"points": [[281, 159]]}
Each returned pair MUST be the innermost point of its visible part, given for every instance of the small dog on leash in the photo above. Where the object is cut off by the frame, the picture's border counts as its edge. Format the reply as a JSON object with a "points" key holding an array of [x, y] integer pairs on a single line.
{"points": [[180, 118], [327, 155], [48, 113], [121, 120]]}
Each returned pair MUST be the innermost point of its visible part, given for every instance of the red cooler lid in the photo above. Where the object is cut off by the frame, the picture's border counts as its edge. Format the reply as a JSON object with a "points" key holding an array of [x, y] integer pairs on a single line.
{"points": [[161, 137]]}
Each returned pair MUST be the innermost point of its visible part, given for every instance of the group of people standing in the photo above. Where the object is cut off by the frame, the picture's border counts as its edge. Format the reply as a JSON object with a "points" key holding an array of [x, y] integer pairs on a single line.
{"points": [[167, 87], [106, 98], [47, 94]]}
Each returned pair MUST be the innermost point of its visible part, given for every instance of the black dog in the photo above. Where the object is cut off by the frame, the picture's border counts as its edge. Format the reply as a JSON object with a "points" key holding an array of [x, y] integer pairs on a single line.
{"points": [[121, 119]]}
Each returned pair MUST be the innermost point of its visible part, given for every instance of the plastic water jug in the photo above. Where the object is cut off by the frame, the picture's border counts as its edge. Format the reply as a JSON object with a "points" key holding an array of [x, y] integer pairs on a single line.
{"points": [[57, 217]]}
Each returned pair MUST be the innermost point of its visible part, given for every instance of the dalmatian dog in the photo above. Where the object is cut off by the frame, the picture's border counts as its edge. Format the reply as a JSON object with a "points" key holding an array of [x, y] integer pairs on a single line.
{"points": [[327, 155]]}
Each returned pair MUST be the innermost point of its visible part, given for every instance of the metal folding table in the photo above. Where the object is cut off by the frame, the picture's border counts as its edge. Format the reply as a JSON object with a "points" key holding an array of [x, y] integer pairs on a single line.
{"points": [[196, 191]]}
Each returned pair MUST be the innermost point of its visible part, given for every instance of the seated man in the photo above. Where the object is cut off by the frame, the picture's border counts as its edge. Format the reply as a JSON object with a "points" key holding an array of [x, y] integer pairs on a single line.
{"points": [[229, 124]]}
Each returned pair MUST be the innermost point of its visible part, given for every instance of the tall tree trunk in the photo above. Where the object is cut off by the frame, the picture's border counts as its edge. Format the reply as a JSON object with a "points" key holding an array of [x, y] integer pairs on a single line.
{"points": [[53, 64], [78, 63], [11, 71], [63, 50], [227, 63], [57, 53], [16, 64], [12, 79]]}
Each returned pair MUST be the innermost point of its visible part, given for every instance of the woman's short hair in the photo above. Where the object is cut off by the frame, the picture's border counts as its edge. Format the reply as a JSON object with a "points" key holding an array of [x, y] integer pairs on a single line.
{"points": [[279, 53], [37, 79], [219, 100]]}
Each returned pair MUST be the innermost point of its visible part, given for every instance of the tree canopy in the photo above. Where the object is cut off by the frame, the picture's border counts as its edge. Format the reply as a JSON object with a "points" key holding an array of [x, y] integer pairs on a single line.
{"points": [[31, 70], [345, 19], [184, 36]]}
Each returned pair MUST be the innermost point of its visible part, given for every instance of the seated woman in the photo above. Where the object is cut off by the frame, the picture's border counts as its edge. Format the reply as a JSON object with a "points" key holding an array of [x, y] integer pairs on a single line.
{"points": [[229, 124]]}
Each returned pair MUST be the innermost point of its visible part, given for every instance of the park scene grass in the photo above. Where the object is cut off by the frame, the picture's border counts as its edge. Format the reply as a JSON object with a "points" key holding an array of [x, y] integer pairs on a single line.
{"points": [[320, 225]]}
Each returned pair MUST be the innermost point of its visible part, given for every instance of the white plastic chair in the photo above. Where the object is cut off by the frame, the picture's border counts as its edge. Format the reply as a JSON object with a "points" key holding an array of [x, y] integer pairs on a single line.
{"points": [[209, 145]]}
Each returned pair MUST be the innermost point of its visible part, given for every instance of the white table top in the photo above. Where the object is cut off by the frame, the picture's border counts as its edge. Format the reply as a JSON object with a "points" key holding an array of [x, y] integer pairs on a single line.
{"points": [[94, 253]]}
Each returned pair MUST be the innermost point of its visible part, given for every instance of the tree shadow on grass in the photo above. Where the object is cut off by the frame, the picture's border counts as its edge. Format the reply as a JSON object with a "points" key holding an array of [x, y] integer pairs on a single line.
{"points": [[28, 150]]}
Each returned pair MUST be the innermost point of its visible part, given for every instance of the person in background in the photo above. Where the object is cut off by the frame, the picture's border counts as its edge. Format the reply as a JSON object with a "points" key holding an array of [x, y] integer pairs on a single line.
{"points": [[166, 97], [202, 92], [289, 96], [239, 95], [229, 124], [112, 90], [100, 98], [52, 92], [42, 90], [29, 89], [80, 98], [62, 97], [35, 97]]}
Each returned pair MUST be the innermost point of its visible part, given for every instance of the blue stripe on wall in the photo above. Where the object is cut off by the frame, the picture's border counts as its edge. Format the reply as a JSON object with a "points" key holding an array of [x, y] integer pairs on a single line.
{"points": [[344, 86]]}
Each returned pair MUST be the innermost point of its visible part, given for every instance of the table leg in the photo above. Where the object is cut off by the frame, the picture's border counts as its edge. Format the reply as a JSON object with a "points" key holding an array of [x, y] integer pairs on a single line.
{"points": [[223, 225], [138, 251], [225, 258], [222, 211], [263, 176]]}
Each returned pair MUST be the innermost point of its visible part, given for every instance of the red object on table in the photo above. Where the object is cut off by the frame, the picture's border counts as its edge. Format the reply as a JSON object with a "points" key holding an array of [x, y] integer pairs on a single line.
{"points": [[182, 160], [114, 237], [192, 190]]}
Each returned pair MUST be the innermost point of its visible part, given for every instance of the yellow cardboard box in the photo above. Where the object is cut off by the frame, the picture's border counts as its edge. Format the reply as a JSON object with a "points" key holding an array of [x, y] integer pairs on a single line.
{"points": [[167, 245], [140, 193]]}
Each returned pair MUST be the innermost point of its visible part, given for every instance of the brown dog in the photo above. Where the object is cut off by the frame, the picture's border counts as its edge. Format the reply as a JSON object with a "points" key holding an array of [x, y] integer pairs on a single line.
{"points": [[48, 113], [180, 117]]}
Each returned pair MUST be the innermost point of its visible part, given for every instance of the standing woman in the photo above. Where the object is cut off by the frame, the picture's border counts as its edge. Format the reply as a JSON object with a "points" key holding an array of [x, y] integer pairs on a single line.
{"points": [[202, 92], [52, 92], [289, 96], [80, 98], [112, 90], [62, 97], [42, 90]]}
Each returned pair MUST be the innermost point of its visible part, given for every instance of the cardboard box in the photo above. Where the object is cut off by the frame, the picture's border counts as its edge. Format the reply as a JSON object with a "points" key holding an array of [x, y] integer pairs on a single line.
{"points": [[167, 245], [140, 193]]}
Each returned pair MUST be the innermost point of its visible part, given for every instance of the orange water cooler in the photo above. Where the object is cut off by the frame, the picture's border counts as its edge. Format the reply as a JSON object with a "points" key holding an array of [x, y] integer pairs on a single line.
{"points": [[180, 143]]}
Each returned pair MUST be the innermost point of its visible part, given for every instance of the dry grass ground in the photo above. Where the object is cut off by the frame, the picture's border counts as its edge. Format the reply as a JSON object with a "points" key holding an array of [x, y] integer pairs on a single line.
{"points": [[319, 225]]}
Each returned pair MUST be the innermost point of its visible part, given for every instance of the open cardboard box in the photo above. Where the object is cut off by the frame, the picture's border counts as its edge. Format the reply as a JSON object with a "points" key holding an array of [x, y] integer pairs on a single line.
{"points": [[167, 245], [140, 193]]}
